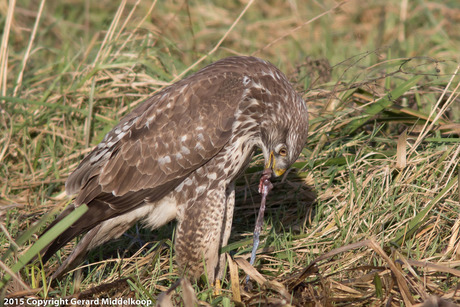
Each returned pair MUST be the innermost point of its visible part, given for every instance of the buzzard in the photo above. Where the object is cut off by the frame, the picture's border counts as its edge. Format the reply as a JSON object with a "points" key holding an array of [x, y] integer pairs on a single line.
{"points": [[177, 156]]}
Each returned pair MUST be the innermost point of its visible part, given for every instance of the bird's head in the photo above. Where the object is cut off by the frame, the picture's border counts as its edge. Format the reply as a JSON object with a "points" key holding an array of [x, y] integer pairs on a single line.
{"points": [[277, 159], [280, 113], [284, 138]]}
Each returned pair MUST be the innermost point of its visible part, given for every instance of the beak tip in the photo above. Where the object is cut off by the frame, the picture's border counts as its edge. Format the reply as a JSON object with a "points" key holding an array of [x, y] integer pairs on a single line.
{"points": [[279, 172]]}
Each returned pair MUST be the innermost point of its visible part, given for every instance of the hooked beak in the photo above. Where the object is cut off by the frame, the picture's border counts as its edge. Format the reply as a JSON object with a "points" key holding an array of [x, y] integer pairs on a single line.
{"points": [[271, 164]]}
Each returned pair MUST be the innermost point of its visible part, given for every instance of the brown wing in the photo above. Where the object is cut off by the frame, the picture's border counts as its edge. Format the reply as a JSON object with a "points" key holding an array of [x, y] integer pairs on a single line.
{"points": [[166, 138], [153, 149]]}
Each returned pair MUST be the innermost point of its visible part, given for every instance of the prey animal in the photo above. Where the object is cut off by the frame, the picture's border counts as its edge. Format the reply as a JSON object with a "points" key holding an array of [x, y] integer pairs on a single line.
{"points": [[177, 156]]}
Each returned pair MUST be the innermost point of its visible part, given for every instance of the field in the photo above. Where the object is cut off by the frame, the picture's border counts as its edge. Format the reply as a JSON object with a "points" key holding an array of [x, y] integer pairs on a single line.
{"points": [[368, 216]]}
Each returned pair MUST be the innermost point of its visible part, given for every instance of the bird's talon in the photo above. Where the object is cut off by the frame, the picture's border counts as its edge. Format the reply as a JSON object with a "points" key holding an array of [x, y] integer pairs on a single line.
{"points": [[217, 288]]}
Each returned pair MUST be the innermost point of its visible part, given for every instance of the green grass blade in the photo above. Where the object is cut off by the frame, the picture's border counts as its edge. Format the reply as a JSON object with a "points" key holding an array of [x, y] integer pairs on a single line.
{"points": [[26, 235], [422, 216], [378, 286], [382, 104], [45, 240], [235, 245]]}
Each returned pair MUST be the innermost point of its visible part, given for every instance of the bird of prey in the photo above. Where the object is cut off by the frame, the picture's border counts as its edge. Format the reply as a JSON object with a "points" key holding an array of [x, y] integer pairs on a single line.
{"points": [[177, 156]]}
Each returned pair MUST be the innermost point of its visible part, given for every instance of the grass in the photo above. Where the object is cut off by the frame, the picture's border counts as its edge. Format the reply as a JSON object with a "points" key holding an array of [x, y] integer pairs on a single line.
{"points": [[370, 217]]}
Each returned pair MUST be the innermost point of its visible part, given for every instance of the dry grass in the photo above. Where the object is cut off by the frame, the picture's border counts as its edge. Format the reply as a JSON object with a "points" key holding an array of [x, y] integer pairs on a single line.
{"points": [[371, 217]]}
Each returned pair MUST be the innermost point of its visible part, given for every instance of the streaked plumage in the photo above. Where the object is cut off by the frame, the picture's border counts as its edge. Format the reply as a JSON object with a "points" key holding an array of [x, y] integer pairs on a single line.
{"points": [[177, 155]]}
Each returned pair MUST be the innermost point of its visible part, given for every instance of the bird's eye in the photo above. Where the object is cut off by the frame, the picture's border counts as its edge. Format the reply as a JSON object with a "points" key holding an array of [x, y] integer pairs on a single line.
{"points": [[283, 152]]}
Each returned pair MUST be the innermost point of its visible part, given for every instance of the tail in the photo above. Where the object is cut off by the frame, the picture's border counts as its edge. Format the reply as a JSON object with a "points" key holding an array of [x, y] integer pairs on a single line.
{"points": [[101, 226], [89, 222]]}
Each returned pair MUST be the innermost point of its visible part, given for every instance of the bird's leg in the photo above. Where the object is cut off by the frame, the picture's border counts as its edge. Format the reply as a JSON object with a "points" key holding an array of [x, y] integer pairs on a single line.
{"points": [[227, 227], [265, 187]]}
